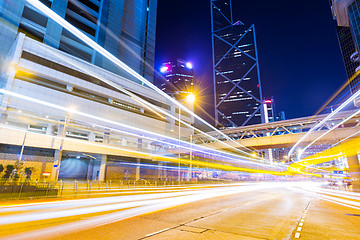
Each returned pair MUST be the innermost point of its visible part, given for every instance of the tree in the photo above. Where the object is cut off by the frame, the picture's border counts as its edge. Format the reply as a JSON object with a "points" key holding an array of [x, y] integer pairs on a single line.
{"points": [[28, 172], [1, 168], [8, 171]]}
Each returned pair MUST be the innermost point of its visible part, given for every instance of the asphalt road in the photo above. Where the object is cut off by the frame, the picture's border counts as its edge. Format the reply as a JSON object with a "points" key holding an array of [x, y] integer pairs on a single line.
{"points": [[246, 211]]}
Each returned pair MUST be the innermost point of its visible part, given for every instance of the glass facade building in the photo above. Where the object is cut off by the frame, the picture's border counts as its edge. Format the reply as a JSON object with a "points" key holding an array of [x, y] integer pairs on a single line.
{"points": [[354, 17], [176, 77], [347, 15], [237, 86], [126, 28], [347, 46]]}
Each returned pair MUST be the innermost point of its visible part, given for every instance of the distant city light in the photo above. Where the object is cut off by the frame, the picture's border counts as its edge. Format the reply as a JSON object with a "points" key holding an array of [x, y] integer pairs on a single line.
{"points": [[189, 65], [164, 69]]}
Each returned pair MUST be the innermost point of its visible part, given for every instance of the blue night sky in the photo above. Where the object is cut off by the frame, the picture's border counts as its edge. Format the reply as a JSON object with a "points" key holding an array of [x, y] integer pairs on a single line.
{"points": [[300, 59]]}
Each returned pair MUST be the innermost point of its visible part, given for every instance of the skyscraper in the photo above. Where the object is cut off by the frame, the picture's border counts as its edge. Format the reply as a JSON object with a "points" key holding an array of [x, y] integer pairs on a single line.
{"points": [[237, 86], [176, 77], [347, 43], [126, 28]]}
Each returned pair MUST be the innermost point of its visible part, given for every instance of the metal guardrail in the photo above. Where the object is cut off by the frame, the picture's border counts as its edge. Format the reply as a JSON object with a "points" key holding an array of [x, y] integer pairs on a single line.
{"points": [[15, 190]]}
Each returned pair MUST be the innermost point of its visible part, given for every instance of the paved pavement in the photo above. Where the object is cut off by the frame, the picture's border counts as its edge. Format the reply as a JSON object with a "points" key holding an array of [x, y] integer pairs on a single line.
{"points": [[245, 211]]}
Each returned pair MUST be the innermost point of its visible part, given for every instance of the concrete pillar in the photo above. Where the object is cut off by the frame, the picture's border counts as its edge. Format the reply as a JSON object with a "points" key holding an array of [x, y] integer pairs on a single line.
{"points": [[3, 118], [50, 129], [159, 170], [137, 173], [57, 156], [91, 137], [96, 170], [106, 137], [60, 131], [102, 172], [56, 165], [140, 143], [354, 171], [89, 175]]}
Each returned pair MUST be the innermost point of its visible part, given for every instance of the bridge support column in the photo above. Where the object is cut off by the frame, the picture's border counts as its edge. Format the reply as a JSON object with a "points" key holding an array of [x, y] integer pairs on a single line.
{"points": [[50, 129], [58, 155], [354, 171], [56, 165], [90, 175], [159, 170], [102, 171], [91, 137], [137, 171]]}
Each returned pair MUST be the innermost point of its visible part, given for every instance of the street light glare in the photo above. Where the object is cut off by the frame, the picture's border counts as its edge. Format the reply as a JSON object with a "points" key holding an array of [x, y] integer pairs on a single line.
{"points": [[72, 109], [190, 98]]}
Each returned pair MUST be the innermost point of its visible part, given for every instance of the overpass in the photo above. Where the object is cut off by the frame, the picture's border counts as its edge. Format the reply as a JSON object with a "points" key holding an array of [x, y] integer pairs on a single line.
{"points": [[283, 134]]}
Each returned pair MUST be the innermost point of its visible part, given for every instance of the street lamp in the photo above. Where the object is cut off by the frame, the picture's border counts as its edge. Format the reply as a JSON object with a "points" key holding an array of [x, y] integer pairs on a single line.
{"points": [[57, 162], [190, 99]]}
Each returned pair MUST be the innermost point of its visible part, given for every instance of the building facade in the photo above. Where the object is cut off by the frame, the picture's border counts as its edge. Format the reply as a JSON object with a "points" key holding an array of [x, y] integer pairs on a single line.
{"points": [[126, 28], [347, 15], [237, 85], [176, 77], [47, 95]]}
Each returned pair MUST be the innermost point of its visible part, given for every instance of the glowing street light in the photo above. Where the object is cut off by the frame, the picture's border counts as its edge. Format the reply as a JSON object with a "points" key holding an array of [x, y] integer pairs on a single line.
{"points": [[190, 98], [189, 65], [164, 69]]}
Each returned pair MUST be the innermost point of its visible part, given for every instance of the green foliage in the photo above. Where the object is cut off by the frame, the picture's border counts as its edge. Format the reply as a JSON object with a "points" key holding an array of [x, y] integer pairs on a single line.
{"points": [[1, 168], [8, 171], [28, 172]]}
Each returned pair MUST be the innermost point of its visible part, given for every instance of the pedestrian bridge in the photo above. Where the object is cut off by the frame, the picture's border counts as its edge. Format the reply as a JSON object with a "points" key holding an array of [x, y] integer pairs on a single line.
{"points": [[283, 134]]}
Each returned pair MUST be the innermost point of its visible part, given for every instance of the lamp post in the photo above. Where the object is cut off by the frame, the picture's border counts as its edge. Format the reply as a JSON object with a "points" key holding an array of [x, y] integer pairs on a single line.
{"points": [[58, 155], [190, 99]]}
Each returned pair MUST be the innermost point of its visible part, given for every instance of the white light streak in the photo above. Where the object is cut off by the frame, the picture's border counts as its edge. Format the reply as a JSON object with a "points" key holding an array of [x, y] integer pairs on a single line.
{"points": [[51, 14], [350, 100], [237, 158]]}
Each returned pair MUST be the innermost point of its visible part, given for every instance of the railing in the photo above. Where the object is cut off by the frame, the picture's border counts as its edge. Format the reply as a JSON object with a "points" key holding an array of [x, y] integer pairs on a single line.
{"points": [[15, 190]]}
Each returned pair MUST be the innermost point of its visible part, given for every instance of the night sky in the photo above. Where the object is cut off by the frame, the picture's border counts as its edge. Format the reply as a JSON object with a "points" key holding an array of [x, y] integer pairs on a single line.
{"points": [[300, 59]]}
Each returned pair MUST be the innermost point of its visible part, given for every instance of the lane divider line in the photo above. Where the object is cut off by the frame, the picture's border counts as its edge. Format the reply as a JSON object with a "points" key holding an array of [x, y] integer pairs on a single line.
{"points": [[154, 233]]}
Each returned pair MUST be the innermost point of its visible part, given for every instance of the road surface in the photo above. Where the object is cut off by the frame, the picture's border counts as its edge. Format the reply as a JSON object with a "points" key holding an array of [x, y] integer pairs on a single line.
{"points": [[246, 211]]}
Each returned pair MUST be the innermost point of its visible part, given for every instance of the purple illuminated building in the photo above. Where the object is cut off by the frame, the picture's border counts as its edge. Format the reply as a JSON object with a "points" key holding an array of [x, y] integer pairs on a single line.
{"points": [[176, 77]]}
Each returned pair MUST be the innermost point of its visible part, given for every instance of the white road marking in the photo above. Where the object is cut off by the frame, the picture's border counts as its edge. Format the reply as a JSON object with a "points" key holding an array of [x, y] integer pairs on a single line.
{"points": [[148, 235], [300, 224], [297, 235], [299, 229]]}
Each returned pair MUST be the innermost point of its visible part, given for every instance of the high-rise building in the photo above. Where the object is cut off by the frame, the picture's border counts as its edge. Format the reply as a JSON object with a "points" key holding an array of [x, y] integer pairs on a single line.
{"points": [[270, 113], [346, 40], [126, 28], [176, 77], [237, 86], [348, 48], [269, 110]]}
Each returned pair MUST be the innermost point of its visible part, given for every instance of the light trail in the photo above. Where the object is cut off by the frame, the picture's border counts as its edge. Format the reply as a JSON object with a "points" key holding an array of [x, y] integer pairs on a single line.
{"points": [[350, 100], [157, 157], [3, 91], [51, 14], [331, 129], [120, 203], [342, 199], [151, 106]]}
